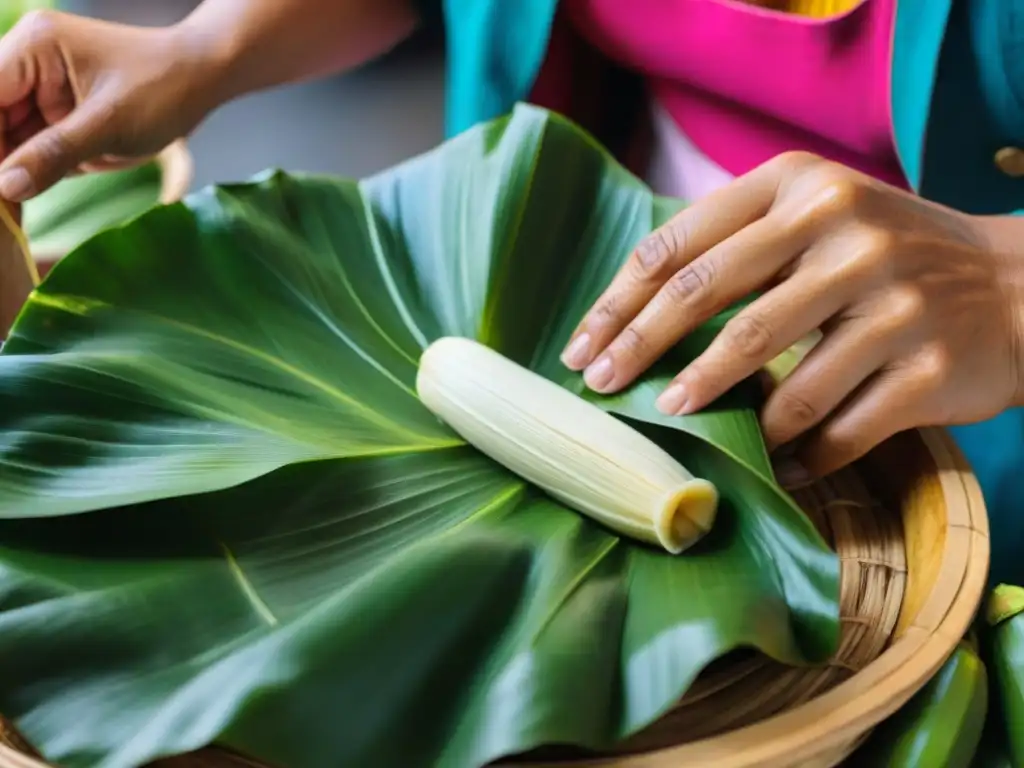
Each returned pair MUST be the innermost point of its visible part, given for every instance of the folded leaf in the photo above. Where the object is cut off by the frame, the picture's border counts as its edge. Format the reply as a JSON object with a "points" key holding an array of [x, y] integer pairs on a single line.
{"points": [[286, 553]]}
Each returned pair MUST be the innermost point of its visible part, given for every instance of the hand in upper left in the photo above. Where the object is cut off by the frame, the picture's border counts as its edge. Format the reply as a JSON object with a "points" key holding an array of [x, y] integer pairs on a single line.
{"points": [[920, 307]]}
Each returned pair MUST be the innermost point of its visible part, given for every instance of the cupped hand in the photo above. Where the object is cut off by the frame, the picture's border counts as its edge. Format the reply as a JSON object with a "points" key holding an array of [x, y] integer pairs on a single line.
{"points": [[919, 311], [82, 94]]}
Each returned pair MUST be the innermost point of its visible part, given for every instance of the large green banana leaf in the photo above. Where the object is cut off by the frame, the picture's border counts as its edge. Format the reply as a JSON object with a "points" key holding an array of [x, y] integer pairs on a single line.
{"points": [[285, 553], [78, 207]]}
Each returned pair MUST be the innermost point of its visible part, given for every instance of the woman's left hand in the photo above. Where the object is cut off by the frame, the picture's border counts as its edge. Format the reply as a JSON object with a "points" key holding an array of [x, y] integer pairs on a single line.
{"points": [[919, 306]]}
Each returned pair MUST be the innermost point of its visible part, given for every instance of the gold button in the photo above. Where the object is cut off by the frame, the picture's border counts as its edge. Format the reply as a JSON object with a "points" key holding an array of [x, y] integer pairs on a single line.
{"points": [[1010, 160]]}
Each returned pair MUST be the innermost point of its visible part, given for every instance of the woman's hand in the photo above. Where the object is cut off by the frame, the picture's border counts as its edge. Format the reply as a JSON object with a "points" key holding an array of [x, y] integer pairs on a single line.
{"points": [[919, 307], [83, 94]]}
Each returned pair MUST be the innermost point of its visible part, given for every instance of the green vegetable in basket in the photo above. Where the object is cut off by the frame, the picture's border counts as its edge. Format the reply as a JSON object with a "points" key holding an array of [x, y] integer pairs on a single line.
{"points": [[78, 207], [941, 726], [230, 519], [1006, 624]]}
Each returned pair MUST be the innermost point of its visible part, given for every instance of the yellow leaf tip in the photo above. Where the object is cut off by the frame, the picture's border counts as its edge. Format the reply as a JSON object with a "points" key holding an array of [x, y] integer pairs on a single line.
{"points": [[1005, 602]]}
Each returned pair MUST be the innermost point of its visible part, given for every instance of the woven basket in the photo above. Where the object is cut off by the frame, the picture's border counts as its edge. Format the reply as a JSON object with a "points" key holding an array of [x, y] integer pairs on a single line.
{"points": [[913, 541], [176, 168]]}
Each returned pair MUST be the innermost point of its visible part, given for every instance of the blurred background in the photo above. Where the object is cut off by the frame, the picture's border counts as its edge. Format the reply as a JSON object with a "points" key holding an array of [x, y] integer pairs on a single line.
{"points": [[353, 125]]}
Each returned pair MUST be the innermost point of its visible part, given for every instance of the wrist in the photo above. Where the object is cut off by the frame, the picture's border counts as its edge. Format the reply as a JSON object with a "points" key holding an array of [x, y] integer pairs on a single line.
{"points": [[1003, 237], [249, 45], [210, 54]]}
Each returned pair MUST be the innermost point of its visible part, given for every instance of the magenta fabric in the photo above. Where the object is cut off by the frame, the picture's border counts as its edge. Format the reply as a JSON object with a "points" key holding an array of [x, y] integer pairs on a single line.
{"points": [[745, 83]]}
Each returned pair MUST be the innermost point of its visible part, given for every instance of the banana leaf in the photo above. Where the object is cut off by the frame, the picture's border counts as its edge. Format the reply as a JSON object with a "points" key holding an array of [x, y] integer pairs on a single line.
{"points": [[78, 207], [227, 518]]}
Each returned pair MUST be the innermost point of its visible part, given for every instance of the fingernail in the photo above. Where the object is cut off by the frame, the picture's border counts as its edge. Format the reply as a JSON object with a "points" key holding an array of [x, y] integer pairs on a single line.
{"points": [[599, 374], [15, 185], [576, 354], [673, 400], [791, 474]]}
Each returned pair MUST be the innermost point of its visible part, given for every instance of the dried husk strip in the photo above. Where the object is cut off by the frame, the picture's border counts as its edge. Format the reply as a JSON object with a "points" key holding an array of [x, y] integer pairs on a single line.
{"points": [[18, 274]]}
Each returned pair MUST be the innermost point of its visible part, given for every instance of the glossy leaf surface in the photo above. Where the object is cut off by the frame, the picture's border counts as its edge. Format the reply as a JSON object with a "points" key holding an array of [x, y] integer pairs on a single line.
{"points": [[78, 207], [228, 517]]}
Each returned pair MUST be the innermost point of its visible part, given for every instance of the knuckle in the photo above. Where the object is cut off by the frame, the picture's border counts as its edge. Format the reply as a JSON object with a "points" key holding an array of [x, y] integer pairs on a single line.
{"points": [[907, 307], [656, 252], [691, 284], [870, 254], [933, 368], [794, 409], [748, 335], [794, 161], [605, 311], [38, 24], [835, 194], [842, 442], [878, 243], [631, 343], [53, 146], [18, 70]]}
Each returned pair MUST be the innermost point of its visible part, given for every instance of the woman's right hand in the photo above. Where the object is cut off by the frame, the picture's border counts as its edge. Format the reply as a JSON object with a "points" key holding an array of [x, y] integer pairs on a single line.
{"points": [[79, 94]]}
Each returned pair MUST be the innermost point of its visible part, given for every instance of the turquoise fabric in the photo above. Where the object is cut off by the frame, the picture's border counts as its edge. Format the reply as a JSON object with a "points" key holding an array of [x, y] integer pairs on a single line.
{"points": [[957, 97], [495, 50]]}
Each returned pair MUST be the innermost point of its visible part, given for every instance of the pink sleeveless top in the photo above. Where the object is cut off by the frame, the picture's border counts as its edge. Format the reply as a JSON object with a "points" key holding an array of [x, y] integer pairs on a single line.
{"points": [[733, 84]]}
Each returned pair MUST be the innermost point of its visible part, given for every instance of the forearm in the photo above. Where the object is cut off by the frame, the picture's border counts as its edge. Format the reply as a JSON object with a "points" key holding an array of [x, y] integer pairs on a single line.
{"points": [[256, 44]]}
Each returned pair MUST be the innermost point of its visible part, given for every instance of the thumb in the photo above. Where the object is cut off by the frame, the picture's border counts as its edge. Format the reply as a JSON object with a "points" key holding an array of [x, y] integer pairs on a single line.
{"points": [[53, 153]]}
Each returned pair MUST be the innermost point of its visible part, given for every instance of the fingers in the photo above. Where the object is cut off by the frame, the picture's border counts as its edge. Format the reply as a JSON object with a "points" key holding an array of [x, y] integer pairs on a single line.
{"points": [[53, 153], [54, 92], [697, 292], [18, 61], [903, 395], [663, 253], [44, 137], [841, 362], [759, 333], [890, 403]]}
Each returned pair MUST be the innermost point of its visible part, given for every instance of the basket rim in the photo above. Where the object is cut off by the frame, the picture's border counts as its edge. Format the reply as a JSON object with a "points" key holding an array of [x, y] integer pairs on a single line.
{"points": [[846, 712], [177, 168]]}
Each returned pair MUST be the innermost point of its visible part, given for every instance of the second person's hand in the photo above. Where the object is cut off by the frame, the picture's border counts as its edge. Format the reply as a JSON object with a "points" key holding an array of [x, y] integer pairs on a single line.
{"points": [[79, 94]]}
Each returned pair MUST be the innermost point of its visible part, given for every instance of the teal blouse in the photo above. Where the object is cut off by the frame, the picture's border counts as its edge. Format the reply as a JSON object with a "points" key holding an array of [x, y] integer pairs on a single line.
{"points": [[957, 99]]}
